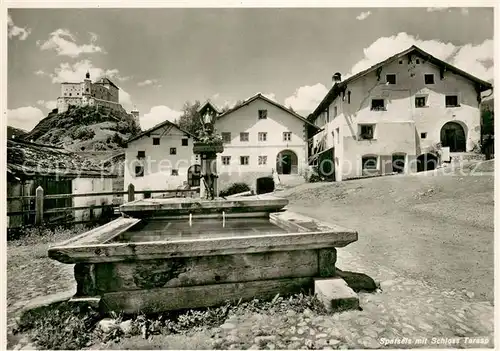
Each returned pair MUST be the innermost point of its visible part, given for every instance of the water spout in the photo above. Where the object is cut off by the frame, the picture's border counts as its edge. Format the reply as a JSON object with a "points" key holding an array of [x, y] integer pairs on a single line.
{"points": [[223, 219], [190, 219]]}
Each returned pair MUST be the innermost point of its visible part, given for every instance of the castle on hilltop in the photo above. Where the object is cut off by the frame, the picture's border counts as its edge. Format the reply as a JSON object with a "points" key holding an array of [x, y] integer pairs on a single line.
{"points": [[103, 93]]}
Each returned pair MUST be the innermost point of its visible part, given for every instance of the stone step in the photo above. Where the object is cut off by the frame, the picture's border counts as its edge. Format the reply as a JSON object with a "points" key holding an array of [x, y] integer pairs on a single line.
{"points": [[335, 294]]}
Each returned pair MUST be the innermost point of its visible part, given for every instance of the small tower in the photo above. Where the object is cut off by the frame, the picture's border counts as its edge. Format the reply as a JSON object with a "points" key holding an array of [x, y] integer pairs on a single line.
{"points": [[135, 113], [87, 85]]}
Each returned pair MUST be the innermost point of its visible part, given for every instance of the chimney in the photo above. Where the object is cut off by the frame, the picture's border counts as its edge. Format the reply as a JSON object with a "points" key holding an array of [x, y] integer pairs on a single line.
{"points": [[337, 78]]}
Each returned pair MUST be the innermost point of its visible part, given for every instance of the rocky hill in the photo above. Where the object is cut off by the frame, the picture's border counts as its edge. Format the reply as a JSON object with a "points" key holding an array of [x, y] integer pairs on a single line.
{"points": [[85, 129], [15, 132]]}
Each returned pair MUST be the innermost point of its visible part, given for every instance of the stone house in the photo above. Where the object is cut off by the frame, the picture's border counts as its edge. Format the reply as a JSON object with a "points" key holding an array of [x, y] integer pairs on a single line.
{"points": [[261, 136], [401, 115], [161, 158], [57, 171]]}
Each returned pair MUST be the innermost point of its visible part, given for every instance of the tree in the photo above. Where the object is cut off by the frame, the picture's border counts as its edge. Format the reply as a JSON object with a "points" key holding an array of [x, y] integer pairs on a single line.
{"points": [[190, 120]]}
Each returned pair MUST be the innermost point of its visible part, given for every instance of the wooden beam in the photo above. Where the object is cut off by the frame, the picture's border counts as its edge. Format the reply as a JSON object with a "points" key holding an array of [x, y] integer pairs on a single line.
{"points": [[164, 299]]}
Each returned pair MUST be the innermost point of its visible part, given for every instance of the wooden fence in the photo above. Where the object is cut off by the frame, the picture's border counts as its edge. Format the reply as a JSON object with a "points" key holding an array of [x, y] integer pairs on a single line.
{"points": [[39, 198]]}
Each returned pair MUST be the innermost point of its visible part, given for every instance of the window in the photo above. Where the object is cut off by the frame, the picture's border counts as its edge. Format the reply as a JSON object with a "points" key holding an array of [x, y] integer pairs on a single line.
{"points": [[366, 131], [337, 132], [335, 111], [369, 163], [226, 160], [87, 89], [349, 97], [185, 141], [244, 160], [423, 135], [141, 154], [175, 172], [420, 101], [262, 114], [156, 141], [139, 171], [173, 151], [226, 137], [69, 94], [262, 160], [400, 62], [429, 78], [451, 101], [244, 136], [262, 136], [417, 61], [287, 136], [378, 105], [390, 78]]}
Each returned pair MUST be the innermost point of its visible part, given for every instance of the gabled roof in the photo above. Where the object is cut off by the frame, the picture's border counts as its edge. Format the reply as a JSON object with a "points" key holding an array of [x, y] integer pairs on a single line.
{"points": [[260, 96], [25, 159], [158, 126], [338, 87], [209, 103], [106, 81]]}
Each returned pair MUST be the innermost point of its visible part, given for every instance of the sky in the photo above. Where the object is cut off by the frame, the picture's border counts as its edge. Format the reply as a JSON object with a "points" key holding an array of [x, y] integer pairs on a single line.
{"points": [[161, 58]]}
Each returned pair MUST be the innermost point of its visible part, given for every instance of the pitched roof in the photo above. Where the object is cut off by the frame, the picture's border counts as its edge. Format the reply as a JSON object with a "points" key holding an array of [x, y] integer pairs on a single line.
{"points": [[158, 126], [106, 81], [338, 87], [27, 159], [260, 96], [208, 102]]}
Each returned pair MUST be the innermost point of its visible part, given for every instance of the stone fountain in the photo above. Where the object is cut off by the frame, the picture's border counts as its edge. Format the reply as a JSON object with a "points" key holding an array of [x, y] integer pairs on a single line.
{"points": [[177, 253]]}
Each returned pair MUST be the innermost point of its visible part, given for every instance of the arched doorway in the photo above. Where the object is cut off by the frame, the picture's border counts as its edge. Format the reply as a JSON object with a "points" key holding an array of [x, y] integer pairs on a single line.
{"points": [[287, 162], [194, 175], [398, 163], [426, 162], [453, 136]]}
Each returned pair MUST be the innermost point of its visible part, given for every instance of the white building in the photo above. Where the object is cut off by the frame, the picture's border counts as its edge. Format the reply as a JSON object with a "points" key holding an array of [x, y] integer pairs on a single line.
{"points": [[261, 135], [161, 158], [394, 116]]}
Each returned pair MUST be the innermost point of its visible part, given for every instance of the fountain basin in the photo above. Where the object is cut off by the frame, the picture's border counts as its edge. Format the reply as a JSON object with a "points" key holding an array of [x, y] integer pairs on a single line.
{"points": [[183, 206], [158, 264]]}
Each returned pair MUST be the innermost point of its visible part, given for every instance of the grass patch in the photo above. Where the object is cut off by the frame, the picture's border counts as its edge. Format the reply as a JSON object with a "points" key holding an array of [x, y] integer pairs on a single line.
{"points": [[43, 235], [66, 326]]}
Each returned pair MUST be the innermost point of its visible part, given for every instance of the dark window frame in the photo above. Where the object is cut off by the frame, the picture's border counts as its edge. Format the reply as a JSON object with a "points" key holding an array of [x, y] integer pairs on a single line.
{"points": [[448, 104], [393, 80], [226, 137], [141, 154], [173, 151], [262, 114], [366, 131], [364, 160], [185, 141], [419, 98], [156, 141], [378, 108], [247, 158], [226, 158], [139, 171], [429, 78], [246, 134]]}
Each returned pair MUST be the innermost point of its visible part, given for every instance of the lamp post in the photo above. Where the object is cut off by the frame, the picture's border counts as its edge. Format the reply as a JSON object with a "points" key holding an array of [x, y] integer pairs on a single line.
{"points": [[207, 147]]}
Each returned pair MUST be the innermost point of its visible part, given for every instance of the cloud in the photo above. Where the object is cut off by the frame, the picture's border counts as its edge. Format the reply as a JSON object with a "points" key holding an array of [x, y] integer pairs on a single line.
{"points": [[306, 98], [67, 72], [125, 100], [51, 104], [363, 15], [158, 114], [15, 31], [467, 57], [147, 82], [41, 73], [64, 43], [24, 117]]}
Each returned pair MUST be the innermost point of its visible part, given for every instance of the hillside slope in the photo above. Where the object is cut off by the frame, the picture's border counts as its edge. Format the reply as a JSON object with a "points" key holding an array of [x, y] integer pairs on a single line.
{"points": [[85, 129], [16, 132]]}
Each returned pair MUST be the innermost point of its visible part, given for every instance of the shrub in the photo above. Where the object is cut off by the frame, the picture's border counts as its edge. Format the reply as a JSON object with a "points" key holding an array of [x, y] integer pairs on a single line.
{"points": [[235, 188], [83, 133]]}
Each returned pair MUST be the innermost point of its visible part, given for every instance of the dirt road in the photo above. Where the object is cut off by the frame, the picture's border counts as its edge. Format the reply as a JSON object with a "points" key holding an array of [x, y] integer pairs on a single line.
{"points": [[435, 228]]}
